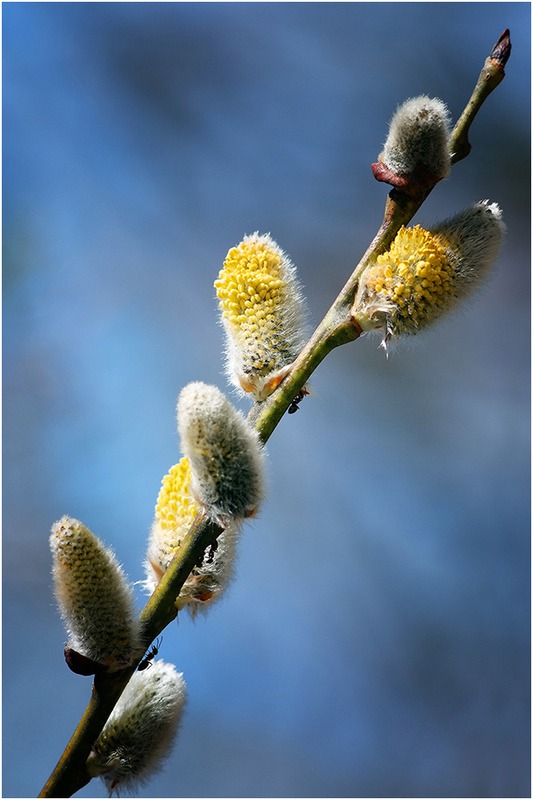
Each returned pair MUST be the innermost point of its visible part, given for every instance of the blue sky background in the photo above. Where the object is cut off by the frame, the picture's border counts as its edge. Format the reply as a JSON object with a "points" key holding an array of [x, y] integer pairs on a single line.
{"points": [[375, 642]]}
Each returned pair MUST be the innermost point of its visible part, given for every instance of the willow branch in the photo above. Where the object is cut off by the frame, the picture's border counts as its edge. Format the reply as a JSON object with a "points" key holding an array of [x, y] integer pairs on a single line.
{"points": [[337, 328]]}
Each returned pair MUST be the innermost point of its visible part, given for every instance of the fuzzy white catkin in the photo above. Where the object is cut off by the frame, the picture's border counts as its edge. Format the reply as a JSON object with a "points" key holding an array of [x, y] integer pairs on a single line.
{"points": [[418, 136], [224, 451], [139, 732], [93, 595]]}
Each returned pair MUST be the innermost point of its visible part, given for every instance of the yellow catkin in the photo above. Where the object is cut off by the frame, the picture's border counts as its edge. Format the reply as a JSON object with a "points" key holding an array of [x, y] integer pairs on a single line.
{"points": [[261, 308], [175, 507], [425, 273], [175, 512], [414, 281]]}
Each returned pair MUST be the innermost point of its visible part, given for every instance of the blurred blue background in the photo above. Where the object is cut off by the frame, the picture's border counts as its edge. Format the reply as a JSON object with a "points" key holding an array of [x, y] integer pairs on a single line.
{"points": [[375, 642]]}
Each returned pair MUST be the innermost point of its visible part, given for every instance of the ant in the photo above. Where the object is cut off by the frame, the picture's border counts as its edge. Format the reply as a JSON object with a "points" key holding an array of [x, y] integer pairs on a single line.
{"points": [[293, 408], [208, 556], [150, 655], [210, 552]]}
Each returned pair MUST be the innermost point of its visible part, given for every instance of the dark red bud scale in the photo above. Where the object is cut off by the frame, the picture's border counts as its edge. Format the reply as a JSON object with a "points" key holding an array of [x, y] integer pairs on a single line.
{"points": [[80, 664], [502, 49]]}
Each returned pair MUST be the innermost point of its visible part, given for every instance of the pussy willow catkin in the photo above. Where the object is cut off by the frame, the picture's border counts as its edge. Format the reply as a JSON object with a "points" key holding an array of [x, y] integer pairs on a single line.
{"points": [[94, 597], [225, 456], [262, 312], [174, 513], [426, 272], [418, 138]]}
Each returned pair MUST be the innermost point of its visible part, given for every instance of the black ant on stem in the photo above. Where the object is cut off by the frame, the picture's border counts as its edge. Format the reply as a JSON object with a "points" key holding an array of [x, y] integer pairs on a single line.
{"points": [[293, 408], [150, 655]]}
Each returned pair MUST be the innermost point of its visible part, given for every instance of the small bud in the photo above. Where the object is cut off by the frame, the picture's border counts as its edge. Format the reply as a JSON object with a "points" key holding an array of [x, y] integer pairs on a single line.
{"points": [[425, 273], [174, 514], [82, 665], [502, 49], [416, 155], [94, 599], [262, 313], [139, 733], [224, 452]]}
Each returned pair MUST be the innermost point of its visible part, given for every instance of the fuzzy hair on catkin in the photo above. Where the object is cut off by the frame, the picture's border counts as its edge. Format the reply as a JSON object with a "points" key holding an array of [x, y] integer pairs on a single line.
{"points": [[425, 273], [94, 596], [474, 238], [225, 455], [140, 731], [262, 311], [418, 136], [175, 511]]}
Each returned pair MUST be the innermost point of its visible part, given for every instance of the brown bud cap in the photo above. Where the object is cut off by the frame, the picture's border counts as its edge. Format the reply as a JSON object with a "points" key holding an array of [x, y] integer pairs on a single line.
{"points": [[502, 49]]}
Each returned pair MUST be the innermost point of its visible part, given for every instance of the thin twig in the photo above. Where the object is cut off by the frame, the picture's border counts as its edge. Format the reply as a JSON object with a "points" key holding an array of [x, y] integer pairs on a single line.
{"points": [[490, 77]]}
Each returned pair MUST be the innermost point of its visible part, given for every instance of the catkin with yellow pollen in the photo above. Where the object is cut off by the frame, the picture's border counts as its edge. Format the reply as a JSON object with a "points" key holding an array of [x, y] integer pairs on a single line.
{"points": [[262, 313], [175, 512], [426, 272], [221, 476], [175, 508]]}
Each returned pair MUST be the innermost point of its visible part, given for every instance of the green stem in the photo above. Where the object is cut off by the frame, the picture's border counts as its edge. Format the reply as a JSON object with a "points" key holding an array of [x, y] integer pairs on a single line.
{"points": [[160, 608], [71, 773]]}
